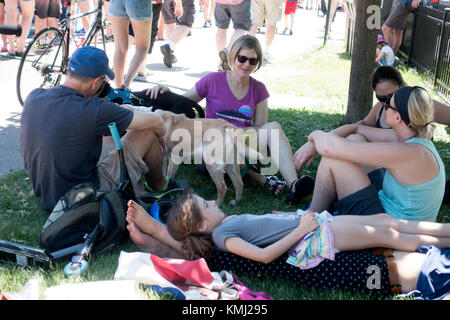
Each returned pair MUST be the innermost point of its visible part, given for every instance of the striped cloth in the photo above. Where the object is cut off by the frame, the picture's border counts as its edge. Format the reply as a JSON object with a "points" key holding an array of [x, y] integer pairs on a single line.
{"points": [[316, 246]]}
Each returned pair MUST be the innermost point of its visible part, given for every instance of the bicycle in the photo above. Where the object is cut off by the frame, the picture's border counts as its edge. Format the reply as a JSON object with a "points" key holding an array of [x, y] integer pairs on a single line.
{"points": [[43, 65]]}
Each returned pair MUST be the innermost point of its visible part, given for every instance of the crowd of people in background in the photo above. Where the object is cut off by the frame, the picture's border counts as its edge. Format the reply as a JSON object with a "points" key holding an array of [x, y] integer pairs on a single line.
{"points": [[170, 20]]}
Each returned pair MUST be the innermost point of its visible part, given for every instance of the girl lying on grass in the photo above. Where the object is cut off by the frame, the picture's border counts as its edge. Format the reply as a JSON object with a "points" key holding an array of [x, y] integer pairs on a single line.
{"points": [[194, 223], [200, 225]]}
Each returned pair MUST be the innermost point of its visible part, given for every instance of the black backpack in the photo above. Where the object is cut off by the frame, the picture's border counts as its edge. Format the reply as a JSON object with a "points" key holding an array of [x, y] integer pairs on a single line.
{"points": [[83, 209], [78, 213]]}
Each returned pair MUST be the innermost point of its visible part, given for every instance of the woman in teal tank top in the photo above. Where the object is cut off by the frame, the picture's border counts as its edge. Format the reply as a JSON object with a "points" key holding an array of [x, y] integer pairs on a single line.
{"points": [[414, 183]]}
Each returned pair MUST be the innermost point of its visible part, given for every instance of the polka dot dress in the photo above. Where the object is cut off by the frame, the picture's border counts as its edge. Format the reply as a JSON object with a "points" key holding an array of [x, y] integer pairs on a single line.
{"points": [[353, 271]]}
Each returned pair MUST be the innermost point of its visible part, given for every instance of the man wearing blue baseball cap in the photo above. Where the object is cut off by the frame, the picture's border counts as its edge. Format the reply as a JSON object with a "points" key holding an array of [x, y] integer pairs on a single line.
{"points": [[65, 140]]}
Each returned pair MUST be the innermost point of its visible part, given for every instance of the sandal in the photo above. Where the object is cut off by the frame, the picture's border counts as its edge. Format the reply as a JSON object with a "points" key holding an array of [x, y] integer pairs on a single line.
{"points": [[303, 187], [273, 183]]}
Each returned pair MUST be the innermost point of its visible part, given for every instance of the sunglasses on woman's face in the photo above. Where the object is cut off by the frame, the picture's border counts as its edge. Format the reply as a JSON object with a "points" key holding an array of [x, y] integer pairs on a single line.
{"points": [[385, 99], [243, 59], [388, 106]]}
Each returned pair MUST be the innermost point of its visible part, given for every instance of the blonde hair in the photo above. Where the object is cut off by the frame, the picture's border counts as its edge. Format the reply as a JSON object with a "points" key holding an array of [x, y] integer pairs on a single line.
{"points": [[244, 43], [421, 113], [183, 222]]}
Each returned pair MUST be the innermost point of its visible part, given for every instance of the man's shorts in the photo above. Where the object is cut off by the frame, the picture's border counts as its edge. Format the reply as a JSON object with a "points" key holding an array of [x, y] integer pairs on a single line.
{"points": [[135, 10], [47, 8], [108, 167], [398, 15], [362, 202], [239, 13], [268, 10], [187, 19]]}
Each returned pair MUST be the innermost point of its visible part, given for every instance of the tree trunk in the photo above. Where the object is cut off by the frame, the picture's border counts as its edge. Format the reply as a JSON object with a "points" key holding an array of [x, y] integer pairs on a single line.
{"points": [[360, 95]]}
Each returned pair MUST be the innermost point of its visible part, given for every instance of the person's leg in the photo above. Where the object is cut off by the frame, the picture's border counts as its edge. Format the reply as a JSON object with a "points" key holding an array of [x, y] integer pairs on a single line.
{"points": [[258, 13], [84, 6], [349, 237], [120, 32], [387, 34], [178, 34], [404, 226], [397, 36], [234, 36], [292, 22], [408, 268], [142, 31], [334, 4], [212, 6], [11, 19], [39, 24], [270, 35], [169, 28], [280, 150], [148, 146], [2, 21], [336, 179], [160, 35], [205, 12], [221, 39], [27, 8], [147, 243]]}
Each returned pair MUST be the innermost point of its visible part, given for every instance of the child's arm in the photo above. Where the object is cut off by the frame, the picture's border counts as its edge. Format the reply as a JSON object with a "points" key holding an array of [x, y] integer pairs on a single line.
{"points": [[380, 56], [238, 246]]}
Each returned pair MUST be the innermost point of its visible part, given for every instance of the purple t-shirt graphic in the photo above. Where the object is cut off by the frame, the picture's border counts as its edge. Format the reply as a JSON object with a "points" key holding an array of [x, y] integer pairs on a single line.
{"points": [[221, 103]]}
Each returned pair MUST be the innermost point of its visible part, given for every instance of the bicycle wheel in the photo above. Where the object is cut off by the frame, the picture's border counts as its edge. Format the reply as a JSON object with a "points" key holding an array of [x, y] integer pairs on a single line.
{"points": [[43, 63]]}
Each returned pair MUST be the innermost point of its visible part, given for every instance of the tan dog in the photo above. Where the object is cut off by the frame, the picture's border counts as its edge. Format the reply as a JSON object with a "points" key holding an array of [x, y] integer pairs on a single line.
{"points": [[217, 142]]}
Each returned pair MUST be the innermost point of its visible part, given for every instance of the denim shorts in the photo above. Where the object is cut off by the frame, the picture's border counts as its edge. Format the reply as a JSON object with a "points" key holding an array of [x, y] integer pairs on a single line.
{"points": [[133, 9], [239, 13]]}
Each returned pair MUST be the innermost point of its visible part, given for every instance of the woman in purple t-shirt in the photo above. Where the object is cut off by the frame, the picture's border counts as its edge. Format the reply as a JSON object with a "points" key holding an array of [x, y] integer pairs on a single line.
{"points": [[243, 101]]}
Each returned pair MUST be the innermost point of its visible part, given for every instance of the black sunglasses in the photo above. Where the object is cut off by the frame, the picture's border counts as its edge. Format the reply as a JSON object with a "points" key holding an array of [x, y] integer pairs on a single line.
{"points": [[384, 99], [243, 59], [387, 106]]}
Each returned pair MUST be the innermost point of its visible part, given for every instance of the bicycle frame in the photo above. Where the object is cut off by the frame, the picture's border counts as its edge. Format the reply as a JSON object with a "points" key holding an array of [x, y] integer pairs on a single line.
{"points": [[96, 24]]}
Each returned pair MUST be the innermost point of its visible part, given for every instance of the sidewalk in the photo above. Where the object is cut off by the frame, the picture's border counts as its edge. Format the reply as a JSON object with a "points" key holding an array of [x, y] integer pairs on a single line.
{"points": [[196, 56]]}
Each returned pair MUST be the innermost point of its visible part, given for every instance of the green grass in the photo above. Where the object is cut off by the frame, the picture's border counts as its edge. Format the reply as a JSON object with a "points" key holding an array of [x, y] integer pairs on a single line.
{"points": [[321, 75]]}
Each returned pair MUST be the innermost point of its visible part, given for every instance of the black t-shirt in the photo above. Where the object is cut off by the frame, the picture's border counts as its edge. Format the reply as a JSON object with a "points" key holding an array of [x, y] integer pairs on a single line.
{"points": [[61, 139]]}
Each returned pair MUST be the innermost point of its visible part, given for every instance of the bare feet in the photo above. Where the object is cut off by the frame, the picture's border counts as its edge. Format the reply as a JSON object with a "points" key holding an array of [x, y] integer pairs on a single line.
{"points": [[136, 214], [146, 243]]}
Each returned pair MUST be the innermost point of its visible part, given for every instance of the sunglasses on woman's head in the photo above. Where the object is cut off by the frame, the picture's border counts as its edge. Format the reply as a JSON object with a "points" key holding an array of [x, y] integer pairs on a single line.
{"points": [[243, 59], [384, 99]]}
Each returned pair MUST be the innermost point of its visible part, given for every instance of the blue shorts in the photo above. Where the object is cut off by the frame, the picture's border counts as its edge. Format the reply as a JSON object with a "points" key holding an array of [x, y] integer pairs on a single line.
{"points": [[434, 276], [133, 9]]}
